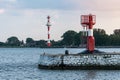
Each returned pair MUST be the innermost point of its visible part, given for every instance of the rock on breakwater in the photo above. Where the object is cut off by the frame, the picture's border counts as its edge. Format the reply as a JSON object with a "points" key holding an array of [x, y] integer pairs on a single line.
{"points": [[80, 61]]}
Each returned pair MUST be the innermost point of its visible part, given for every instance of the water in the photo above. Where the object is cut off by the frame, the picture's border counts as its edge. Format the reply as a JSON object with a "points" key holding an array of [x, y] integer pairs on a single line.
{"points": [[21, 64]]}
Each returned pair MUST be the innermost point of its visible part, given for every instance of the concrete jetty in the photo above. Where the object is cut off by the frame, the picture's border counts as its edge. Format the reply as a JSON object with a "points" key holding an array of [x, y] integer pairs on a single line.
{"points": [[80, 61]]}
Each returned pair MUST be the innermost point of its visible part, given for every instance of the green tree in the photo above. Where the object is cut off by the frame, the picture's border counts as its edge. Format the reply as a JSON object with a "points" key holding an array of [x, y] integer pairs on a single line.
{"points": [[30, 42], [117, 32], [115, 38], [78, 38], [2, 44], [69, 38], [101, 38], [41, 43], [22, 43], [13, 41]]}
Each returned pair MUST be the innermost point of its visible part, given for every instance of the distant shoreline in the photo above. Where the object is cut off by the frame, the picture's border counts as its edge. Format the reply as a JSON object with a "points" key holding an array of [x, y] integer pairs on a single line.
{"points": [[61, 47]]}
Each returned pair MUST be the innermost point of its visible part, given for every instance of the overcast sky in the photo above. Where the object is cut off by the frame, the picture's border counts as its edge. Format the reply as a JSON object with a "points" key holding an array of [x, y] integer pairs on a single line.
{"points": [[27, 18]]}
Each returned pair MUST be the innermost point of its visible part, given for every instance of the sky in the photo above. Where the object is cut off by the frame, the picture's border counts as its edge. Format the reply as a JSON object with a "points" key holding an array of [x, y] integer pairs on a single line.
{"points": [[27, 18]]}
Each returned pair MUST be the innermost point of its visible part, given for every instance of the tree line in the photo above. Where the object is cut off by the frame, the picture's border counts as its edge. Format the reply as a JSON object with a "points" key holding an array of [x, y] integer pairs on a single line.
{"points": [[15, 42], [69, 39]]}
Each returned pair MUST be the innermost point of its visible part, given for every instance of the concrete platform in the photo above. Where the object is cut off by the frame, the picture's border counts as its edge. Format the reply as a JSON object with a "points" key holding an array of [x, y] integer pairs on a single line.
{"points": [[103, 61]]}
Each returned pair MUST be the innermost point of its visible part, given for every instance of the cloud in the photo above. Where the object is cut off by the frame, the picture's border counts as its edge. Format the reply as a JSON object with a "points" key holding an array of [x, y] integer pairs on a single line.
{"points": [[12, 0], [94, 5], [2, 11], [45, 4], [8, 0], [8, 4], [97, 5]]}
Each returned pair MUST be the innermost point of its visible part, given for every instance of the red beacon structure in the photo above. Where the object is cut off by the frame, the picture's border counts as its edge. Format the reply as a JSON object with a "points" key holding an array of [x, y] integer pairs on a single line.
{"points": [[87, 22], [48, 26]]}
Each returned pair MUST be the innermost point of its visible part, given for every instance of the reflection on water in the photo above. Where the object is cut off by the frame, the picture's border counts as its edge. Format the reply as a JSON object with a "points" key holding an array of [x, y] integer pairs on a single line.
{"points": [[90, 75], [21, 64]]}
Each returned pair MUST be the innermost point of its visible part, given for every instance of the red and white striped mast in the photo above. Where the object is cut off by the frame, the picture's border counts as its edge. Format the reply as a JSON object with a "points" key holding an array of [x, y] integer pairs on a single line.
{"points": [[48, 26]]}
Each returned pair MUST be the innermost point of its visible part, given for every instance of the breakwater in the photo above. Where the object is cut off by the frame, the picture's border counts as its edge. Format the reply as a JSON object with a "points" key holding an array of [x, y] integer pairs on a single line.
{"points": [[80, 61]]}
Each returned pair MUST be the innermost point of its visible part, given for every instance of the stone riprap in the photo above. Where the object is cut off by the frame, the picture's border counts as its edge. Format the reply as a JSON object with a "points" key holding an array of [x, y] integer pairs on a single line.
{"points": [[80, 61], [50, 60]]}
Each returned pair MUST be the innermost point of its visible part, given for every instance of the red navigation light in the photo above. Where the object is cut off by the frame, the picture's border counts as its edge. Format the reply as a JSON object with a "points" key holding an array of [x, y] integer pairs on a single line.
{"points": [[85, 19]]}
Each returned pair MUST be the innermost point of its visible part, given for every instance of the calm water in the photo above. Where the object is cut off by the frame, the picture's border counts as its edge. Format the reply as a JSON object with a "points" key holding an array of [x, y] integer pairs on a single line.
{"points": [[21, 64]]}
